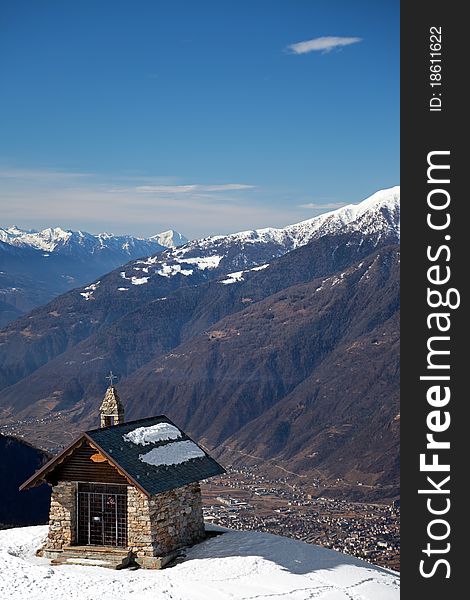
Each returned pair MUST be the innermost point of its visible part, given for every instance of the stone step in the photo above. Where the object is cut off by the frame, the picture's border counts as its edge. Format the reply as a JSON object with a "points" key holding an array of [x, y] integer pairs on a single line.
{"points": [[98, 550], [110, 558], [101, 557], [93, 555], [90, 562]]}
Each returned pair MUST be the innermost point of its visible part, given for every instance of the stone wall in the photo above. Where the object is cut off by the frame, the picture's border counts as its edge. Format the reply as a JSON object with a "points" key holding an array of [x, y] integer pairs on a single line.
{"points": [[155, 526], [164, 522], [139, 537], [62, 515]]}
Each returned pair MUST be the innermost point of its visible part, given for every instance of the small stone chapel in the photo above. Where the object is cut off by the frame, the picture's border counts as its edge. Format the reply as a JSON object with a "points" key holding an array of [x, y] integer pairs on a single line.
{"points": [[125, 488]]}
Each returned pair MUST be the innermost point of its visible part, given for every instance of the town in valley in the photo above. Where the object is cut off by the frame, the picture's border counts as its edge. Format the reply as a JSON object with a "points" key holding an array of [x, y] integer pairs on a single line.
{"points": [[244, 498]]}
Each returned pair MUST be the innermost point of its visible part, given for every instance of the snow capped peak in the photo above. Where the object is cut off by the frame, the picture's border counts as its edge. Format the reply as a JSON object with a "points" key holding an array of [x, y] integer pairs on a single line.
{"points": [[45, 240], [347, 217], [237, 253], [9, 234], [387, 197], [377, 213], [58, 240], [170, 239], [380, 213], [15, 230]]}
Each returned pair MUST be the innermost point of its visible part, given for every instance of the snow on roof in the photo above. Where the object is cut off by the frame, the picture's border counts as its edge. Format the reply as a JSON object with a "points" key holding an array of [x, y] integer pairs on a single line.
{"points": [[172, 454], [147, 451], [155, 433]]}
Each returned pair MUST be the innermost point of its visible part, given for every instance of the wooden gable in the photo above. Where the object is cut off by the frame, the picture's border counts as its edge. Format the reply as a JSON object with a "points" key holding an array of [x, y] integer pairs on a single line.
{"points": [[88, 464]]}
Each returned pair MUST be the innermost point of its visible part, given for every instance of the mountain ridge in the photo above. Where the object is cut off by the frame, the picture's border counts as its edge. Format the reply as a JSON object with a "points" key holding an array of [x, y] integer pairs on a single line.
{"points": [[81, 312], [36, 266], [56, 239], [301, 310]]}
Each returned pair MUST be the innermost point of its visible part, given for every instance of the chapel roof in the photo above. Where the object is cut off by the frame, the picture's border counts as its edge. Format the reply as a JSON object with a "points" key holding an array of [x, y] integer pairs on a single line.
{"points": [[153, 454]]}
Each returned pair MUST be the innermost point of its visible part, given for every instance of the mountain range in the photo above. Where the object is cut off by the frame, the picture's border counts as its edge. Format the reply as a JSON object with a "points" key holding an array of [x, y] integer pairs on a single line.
{"points": [[276, 345], [36, 266]]}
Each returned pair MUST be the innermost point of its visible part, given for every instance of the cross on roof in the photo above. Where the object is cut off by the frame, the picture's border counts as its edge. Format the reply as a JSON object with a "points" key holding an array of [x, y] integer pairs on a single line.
{"points": [[111, 378]]}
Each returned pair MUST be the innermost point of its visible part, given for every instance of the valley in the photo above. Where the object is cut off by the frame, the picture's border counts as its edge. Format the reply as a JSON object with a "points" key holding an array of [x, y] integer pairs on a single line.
{"points": [[247, 499]]}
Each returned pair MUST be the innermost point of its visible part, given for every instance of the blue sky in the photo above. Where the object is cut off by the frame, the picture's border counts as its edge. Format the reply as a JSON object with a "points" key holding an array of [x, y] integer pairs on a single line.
{"points": [[207, 116]]}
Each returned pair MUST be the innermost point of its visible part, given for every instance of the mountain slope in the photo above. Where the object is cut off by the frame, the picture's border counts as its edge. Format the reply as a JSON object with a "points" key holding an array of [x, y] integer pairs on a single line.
{"points": [[36, 266], [116, 326], [8, 313], [341, 422], [73, 317], [308, 376], [298, 376], [243, 359]]}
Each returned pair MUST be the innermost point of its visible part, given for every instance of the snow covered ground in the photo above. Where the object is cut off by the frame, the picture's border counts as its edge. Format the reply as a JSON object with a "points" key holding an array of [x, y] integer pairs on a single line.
{"points": [[236, 565]]}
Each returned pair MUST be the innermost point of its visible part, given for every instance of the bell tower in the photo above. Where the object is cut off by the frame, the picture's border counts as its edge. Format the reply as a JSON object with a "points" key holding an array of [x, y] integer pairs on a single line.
{"points": [[111, 409]]}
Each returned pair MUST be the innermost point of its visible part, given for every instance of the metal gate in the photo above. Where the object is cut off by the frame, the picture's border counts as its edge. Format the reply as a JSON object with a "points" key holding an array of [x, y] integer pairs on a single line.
{"points": [[101, 515]]}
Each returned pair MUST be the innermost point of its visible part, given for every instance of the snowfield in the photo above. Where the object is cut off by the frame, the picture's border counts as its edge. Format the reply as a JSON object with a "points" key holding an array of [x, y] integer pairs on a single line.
{"points": [[236, 565]]}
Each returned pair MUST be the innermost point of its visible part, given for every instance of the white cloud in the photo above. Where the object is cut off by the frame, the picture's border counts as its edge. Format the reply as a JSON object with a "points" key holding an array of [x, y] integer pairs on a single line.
{"points": [[41, 175], [322, 44], [322, 206], [137, 205], [177, 189]]}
